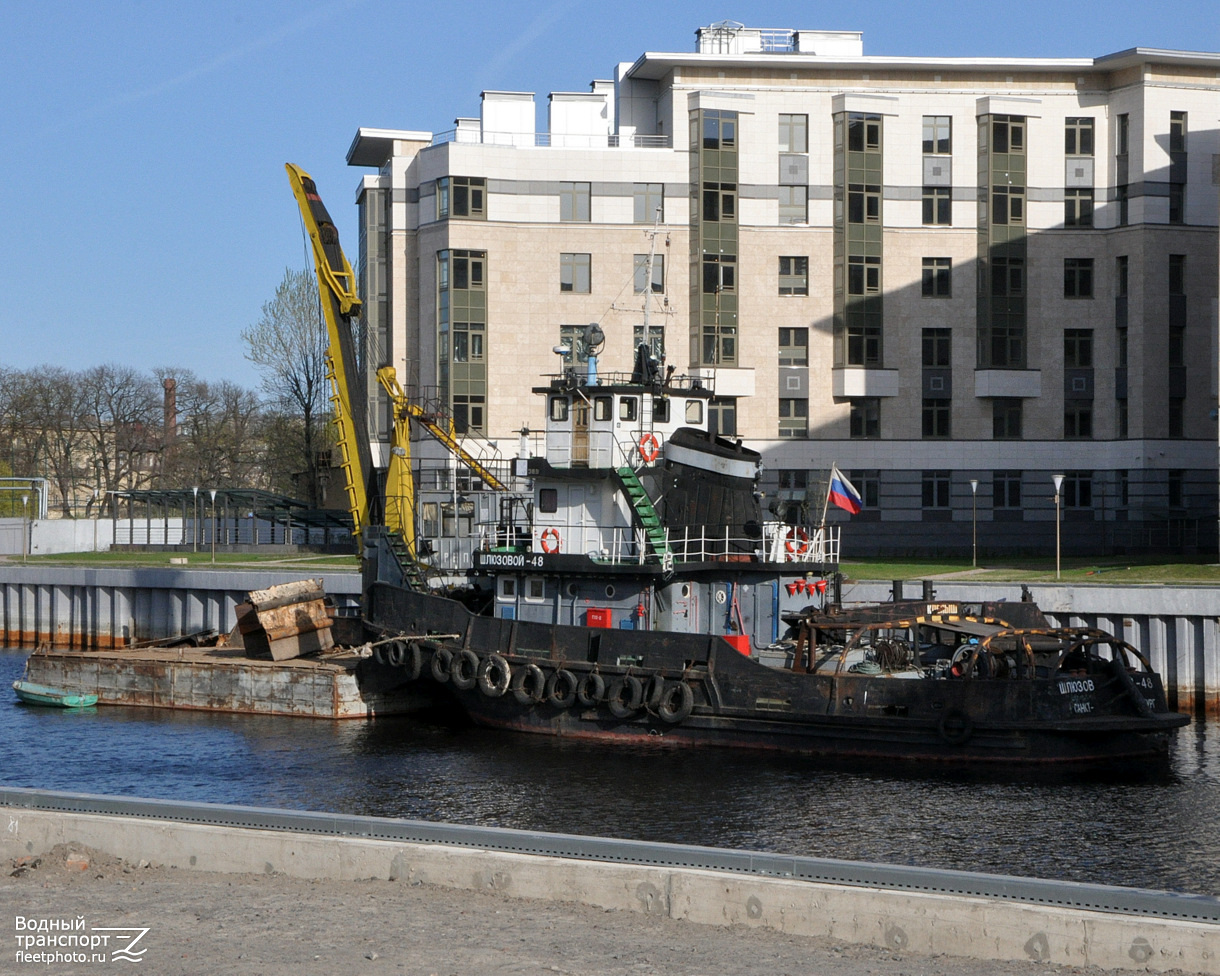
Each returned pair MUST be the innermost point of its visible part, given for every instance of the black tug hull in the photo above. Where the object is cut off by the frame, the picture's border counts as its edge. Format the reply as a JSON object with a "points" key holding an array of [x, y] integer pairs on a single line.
{"points": [[737, 702]]}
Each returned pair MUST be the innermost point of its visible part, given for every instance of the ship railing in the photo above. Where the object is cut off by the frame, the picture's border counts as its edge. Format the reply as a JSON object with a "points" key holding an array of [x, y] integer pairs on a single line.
{"points": [[675, 384], [801, 543]]}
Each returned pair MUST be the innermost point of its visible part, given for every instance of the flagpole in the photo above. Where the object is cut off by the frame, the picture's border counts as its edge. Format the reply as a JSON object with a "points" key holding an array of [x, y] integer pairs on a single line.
{"points": [[826, 502]]}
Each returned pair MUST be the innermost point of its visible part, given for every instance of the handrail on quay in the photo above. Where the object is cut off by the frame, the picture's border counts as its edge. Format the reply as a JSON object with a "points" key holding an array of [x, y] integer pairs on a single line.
{"points": [[1062, 894]]}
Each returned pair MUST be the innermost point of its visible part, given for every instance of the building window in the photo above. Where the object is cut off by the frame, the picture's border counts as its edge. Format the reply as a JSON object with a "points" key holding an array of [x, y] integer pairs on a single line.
{"points": [[793, 204], [1176, 479], [794, 276], [719, 273], [793, 133], [935, 418], [641, 273], [1177, 416], [1122, 135], [574, 273], [1007, 277], [1120, 276], [937, 206], [1177, 203], [863, 275], [1122, 425], [461, 196], [1077, 277], [936, 347], [793, 479], [1006, 489], [656, 343], [1007, 204], [572, 338], [1006, 418], [867, 481], [793, 417], [719, 129], [865, 421], [1177, 274], [1078, 348], [1077, 420], [1177, 132], [1008, 134], [1078, 208], [863, 203], [1123, 196], [863, 132], [936, 489], [722, 416], [649, 202], [468, 413], [794, 346], [937, 132], [1078, 137], [1176, 350], [468, 342], [574, 201], [719, 202], [863, 343], [1078, 489], [936, 277]]}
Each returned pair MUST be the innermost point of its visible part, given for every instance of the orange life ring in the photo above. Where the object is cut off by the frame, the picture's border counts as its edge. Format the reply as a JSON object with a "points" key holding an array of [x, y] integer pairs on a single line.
{"points": [[550, 541], [797, 542], [650, 447]]}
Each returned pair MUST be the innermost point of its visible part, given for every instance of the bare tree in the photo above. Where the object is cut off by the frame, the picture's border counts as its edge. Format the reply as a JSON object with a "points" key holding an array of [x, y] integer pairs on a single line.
{"points": [[288, 347], [218, 439], [46, 425], [125, 429]]}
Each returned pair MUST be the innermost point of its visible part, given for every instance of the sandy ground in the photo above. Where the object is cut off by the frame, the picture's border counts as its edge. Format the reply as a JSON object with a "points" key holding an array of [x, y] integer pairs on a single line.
{"points": [[270, 925]]}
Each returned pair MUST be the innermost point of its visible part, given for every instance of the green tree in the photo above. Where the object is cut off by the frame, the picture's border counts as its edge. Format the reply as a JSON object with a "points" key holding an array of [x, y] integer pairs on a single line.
{"points": [[288, 347]]}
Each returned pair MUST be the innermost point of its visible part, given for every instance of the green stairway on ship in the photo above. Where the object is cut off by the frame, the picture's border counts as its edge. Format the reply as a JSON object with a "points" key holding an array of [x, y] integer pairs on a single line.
{"points": [[646, 515]]}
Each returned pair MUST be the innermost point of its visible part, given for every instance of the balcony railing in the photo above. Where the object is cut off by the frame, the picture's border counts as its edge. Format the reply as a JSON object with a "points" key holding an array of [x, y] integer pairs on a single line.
{"points": [[556, 140]]}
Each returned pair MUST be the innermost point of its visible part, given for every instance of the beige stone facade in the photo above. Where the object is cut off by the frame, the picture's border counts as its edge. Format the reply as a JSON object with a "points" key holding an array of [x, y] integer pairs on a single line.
{"points": [[1130, 415]]}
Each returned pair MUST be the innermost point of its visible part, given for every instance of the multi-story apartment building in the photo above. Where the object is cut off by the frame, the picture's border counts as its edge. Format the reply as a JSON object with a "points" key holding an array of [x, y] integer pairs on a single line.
{"points": [[954, 278]]}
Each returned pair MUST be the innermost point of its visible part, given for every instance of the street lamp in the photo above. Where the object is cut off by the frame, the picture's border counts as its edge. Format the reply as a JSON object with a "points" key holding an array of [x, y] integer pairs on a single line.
{"points": [[25, 527], [974, 521], [212, 492], [1058, 480], [195, 520]]}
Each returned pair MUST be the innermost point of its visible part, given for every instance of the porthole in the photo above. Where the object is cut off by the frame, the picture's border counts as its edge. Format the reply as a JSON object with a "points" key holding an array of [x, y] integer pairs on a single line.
{"points": [[609, 592]]}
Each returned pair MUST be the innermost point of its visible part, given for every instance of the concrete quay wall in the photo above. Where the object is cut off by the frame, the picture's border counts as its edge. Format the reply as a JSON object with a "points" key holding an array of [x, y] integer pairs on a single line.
{"points": [[915, 922], [93, 609]]}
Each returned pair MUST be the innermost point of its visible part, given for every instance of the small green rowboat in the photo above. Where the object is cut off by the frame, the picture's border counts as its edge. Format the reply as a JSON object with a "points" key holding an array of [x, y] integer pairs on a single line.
{"points": [[33, 694]]}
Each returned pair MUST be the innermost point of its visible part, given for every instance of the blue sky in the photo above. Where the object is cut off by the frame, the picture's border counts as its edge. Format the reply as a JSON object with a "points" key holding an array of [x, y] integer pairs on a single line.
{"points": [[145, 208]]}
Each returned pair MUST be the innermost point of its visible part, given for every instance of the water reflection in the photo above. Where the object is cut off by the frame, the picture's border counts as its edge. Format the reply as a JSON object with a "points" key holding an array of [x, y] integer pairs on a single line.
{"points": [[1145, 832]]}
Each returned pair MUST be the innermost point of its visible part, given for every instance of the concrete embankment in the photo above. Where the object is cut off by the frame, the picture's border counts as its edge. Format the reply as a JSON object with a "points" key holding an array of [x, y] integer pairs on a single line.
{"points": [[901, 917], [73, 607]]}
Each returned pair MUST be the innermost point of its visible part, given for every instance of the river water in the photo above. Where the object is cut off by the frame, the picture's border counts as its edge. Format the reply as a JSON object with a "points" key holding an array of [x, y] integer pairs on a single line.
{"points": [[1152, 832]]}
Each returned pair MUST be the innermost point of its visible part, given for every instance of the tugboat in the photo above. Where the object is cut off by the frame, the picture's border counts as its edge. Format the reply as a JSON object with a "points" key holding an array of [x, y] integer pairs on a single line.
{"points": [[634, 592]]}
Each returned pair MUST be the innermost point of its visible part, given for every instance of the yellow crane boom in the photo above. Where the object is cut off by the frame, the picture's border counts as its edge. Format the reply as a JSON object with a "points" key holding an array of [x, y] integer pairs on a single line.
{"points": [[340, 304]]}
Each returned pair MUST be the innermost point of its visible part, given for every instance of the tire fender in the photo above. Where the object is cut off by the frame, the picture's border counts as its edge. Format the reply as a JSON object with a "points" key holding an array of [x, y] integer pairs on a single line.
{"points": [[464, 669], [442, 661], [676, 702], [625, 696], [494, 676], [561, 688]]}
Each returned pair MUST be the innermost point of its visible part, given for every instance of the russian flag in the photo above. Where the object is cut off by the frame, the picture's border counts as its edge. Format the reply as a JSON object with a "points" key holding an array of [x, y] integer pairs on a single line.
{"points": [[842, 492]]}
